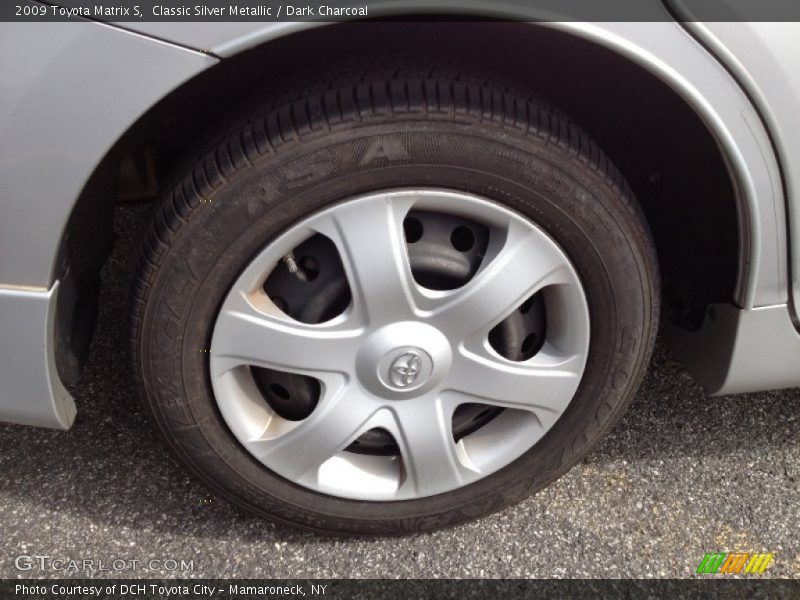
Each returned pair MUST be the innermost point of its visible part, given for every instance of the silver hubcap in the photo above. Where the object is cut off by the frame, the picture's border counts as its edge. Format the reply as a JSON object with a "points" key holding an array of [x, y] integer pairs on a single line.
{"points": [[402, 358]]}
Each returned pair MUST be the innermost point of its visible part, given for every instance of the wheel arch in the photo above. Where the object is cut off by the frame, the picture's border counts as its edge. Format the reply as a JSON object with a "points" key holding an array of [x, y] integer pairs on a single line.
{"points": [[720, 179]]}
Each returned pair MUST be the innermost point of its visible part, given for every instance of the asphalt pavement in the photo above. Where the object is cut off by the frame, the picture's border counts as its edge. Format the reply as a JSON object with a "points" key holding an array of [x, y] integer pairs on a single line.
{"points": [[681, 475]]}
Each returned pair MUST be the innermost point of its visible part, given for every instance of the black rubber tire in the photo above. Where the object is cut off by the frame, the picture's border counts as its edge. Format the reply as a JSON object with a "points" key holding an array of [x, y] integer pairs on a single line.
{"points": [[328, 139]]}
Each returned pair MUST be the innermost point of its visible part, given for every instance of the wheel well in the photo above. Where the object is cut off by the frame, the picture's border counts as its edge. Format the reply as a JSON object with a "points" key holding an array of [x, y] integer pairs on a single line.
{"points": [[668, 156]]}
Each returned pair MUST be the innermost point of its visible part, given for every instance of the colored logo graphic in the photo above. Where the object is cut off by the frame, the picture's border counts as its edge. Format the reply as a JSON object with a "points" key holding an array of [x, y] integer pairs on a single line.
{"points": [[734, 562]]}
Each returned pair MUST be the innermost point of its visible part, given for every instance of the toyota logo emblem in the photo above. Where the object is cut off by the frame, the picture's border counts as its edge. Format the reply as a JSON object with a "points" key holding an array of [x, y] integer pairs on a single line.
{"points": [[405, 369]]}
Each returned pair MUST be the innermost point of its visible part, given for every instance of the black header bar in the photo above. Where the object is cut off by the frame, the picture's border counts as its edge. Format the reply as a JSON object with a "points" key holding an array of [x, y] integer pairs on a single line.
{"points": [[341, 10]]}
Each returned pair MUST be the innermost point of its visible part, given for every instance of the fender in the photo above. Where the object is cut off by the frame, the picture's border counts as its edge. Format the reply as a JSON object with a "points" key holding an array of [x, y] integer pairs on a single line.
{"points": [[766, 67], [53, 94], [665, 49]]}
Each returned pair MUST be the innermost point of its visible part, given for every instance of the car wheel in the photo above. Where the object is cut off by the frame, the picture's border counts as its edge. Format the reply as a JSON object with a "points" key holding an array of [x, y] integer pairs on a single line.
{"points": [[392, 303]]}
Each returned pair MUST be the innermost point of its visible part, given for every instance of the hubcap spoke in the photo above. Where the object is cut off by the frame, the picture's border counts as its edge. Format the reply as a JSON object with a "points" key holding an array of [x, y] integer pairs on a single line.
{"points": [[369, 237], [424, 434], [335, 423], [544, 385], [524, 263], [249, 331]]}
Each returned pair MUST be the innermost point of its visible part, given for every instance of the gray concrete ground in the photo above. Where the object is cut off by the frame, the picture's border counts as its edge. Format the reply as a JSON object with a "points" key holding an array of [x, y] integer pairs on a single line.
{"points": [[681, 475]]}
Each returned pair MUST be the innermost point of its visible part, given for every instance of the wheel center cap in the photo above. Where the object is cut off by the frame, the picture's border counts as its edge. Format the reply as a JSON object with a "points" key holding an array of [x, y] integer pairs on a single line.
{"points": [[389, 365], [406, 367]]}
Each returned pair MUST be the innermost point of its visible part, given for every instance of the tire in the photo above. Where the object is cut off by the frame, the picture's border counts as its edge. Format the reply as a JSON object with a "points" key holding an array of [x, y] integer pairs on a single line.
{"points": [[452, 135]]}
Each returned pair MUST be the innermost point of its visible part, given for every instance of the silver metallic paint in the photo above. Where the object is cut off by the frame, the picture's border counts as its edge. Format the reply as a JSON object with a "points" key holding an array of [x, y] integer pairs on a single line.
{"points": [[765, 58], [68, 91], [31, 392]]}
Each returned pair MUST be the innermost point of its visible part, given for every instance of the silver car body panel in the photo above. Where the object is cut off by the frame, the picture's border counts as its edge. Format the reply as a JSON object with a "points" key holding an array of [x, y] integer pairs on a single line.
{"points": [[31, 392], [46, 157], [68, 92], [63, 105], [765, 58]]}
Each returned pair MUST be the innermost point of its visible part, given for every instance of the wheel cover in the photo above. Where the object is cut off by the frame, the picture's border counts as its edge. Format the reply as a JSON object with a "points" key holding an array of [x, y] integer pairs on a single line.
{"points": [[401, 358]]}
